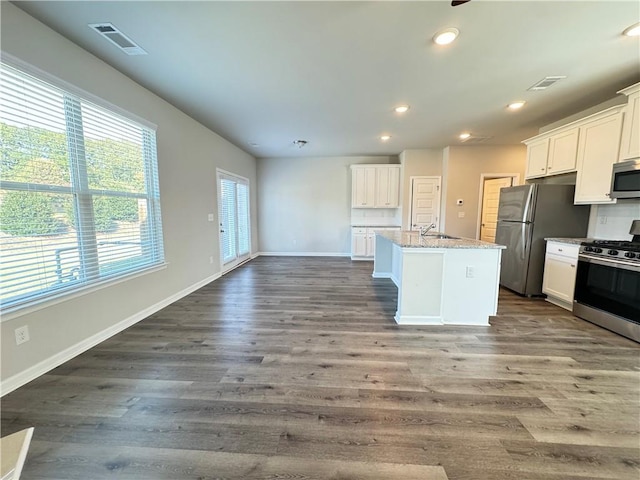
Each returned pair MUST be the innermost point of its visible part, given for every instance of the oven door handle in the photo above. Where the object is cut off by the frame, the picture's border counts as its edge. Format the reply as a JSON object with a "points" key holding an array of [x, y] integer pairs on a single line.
{"points": [[634, 267]]}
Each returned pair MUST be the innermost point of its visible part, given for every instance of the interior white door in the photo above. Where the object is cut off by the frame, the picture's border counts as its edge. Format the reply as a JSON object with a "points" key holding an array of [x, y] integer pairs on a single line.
{"points": [[235, 231], [490, 200], [425, 202]]}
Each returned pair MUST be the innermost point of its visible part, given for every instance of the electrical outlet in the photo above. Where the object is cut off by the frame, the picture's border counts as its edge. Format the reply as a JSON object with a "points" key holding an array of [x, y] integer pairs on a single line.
{"points": [[22, 335], [603, 220], [210, 217], [471, 272]]}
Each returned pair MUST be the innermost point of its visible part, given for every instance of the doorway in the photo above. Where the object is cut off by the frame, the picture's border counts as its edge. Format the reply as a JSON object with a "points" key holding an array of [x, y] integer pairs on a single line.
{"points": [[425, 202], [490, 198], [235, 229]]}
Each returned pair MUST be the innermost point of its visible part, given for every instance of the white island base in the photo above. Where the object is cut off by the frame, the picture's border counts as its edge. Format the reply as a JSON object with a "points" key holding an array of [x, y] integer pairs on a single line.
{"points": [[440, 282]]}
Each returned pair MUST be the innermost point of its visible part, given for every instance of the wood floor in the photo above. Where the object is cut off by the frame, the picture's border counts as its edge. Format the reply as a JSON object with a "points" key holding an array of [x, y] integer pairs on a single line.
{"points": [[293, 368]]}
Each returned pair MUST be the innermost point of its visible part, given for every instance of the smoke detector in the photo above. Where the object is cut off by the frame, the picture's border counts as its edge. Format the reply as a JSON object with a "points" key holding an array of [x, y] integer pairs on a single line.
{"points": [[119, 39]]}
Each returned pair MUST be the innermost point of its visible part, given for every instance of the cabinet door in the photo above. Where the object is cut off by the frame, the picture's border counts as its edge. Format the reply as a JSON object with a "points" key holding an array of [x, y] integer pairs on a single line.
{"points": [[630, 143], [563, 149], [363, 184], [371, 244], [358, 244], [559, 277], [387, 186], [598, 149], [537, 153]]}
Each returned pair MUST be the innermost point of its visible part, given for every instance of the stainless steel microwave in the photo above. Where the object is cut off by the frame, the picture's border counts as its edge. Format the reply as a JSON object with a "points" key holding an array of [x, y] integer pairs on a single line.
{"points": [[625, 179]]}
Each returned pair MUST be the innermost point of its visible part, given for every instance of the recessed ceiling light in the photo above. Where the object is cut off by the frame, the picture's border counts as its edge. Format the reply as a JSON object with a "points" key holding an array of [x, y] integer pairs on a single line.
{"points": [[446, 36], [632, 31], [516, 105], [385, 138], [401, 108], [464, 136]]}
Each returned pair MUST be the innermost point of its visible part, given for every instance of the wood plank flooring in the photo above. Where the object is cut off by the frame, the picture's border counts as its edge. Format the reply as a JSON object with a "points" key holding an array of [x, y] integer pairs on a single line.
{"points": [[294, 368]]}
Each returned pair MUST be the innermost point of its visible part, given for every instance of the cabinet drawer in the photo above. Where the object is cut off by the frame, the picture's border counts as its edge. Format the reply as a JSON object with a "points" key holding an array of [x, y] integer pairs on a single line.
{"points": [[563, 249]]}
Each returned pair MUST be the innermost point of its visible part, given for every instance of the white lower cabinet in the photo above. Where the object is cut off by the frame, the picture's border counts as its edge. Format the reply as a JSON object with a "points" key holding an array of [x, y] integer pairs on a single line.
{"points": [[363, 242], [559, 280]]}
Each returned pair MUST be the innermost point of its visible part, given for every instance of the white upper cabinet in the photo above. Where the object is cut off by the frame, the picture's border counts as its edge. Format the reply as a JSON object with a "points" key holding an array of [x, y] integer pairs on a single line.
{"points": [[597, 152], [630, 142], [563, 148], [375, 186], [363, 186], [537, 153], [552, 153], [388, 187]]}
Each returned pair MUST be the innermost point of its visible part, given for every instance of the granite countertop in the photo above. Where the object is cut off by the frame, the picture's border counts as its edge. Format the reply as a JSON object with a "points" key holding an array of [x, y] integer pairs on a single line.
{"points": [[569, 241], [406, 239]]}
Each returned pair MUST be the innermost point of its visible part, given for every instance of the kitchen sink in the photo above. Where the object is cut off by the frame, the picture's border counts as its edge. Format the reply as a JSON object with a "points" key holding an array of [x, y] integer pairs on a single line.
{"points": [[442, 236]]}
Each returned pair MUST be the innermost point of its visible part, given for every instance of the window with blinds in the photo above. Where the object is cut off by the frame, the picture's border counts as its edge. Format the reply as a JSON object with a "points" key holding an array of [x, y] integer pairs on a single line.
{"points": [[79, 197]]}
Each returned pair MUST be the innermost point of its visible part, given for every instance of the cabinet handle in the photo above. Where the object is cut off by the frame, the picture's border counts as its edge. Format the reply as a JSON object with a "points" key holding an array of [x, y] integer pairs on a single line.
{"points": [[542, 169], [607, 194], [559, 249], [573, 265]]}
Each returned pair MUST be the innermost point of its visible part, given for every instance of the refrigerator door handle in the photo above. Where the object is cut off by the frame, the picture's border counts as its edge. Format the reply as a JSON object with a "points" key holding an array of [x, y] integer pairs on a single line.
{"points": [[523, 232], [527, 204]]}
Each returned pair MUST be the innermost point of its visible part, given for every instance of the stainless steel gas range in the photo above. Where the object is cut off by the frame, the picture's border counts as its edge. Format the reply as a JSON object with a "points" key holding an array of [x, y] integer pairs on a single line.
{"points": [[608, 284]]}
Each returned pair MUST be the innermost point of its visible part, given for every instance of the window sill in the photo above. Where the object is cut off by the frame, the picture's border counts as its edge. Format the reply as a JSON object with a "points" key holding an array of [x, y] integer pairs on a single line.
{"points": [[12, 313]]}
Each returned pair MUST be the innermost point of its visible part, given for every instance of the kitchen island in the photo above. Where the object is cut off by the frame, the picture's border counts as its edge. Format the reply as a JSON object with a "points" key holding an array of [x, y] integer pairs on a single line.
{"points": [[441, 280]]}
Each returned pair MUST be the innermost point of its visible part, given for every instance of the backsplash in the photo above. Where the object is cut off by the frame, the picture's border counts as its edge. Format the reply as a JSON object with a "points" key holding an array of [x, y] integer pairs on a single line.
{"points": [[375, 217], [612, 222]]}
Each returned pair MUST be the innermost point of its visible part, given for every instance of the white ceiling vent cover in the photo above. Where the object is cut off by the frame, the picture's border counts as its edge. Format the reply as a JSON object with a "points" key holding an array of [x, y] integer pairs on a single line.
{"points": [[119, 39], [546, 82], [473, 139]]}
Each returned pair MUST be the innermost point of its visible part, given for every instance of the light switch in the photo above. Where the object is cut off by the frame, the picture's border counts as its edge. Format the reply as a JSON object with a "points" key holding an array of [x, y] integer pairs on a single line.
{"points": [[210, 217]]}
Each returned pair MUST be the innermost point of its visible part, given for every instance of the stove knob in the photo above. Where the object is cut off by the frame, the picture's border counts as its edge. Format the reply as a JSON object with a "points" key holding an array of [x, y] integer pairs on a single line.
{"points": [[613, 252], [630, 255], [597, 250], [588, 249]]}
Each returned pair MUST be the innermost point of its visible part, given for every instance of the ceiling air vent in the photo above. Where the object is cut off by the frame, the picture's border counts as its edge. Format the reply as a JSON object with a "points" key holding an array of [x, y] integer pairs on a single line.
{"points": [[473, 139], [119, 39], [546, 82]]}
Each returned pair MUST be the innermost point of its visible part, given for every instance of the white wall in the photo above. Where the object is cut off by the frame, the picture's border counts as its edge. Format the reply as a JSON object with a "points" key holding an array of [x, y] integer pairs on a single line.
{"points": [[188, 155], [423, 162], [463, 169], [305, 204]]}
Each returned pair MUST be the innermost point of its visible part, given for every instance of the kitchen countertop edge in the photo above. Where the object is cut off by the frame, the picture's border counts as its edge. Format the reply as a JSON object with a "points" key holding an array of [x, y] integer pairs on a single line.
{"points": [[407, 239], [569, 241]]}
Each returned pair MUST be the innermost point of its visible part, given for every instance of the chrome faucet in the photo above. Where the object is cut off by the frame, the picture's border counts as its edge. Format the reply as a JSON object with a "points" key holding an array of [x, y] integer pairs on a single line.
{"points": [[424, 230]]}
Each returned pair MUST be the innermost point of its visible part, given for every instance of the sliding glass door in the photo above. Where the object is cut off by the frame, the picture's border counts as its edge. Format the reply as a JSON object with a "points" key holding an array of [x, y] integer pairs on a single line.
{"points": [[235, 231]]}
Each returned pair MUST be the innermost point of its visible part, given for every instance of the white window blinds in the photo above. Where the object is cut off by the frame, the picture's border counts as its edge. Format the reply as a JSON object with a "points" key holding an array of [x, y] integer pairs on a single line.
{"points": [[235, 232], [79, 197]]}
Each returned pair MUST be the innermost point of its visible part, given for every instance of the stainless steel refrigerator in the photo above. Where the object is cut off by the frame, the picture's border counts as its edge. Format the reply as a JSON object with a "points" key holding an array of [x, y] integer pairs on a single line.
{"points": [[528, 214]]}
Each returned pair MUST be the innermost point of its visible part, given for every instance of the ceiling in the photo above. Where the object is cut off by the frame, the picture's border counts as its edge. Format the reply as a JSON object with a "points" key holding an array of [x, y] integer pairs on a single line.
{"points": [[264, 74]]}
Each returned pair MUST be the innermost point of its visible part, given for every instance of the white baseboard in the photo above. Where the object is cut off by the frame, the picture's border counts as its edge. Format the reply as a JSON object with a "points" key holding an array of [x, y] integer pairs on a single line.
{"points": [[33, 372], [418, 320], [303, 254]]}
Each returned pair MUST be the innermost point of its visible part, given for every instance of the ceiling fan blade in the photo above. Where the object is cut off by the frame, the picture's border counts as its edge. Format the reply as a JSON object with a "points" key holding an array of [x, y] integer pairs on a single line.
{"points": [[455, 3]]}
